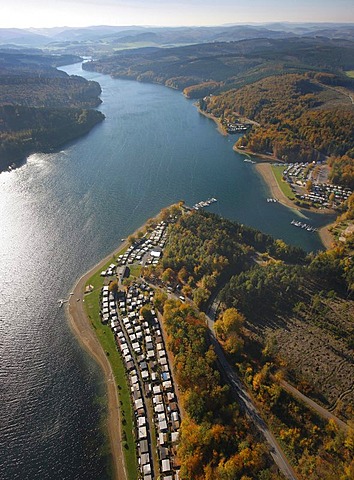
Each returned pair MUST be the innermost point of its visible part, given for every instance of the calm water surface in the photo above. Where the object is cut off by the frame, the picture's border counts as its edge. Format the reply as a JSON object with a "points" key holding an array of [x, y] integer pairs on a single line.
{"points": [[60, 214]]}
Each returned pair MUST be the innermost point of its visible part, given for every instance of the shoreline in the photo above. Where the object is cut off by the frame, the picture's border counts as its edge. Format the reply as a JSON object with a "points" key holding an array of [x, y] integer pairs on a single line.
{"points": [[220, 129], [264, 169], [81, 327], [326, 236], [262, 156]]}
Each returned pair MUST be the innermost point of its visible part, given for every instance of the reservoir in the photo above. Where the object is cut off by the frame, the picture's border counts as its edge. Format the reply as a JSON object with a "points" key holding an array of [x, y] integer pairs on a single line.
{"points": [[60, 214]]}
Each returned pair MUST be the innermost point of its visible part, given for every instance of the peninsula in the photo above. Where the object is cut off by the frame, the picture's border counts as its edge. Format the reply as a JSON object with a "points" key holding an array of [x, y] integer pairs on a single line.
{"points": [[129, 312]]}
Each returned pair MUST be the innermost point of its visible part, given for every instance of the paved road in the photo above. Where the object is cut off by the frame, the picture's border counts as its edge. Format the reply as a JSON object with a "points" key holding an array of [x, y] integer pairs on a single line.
{"points": [[246, 403]]}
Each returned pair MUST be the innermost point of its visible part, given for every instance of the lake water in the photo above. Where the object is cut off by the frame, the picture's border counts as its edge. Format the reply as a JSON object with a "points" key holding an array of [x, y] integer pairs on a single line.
{"points": [[60, 214]]}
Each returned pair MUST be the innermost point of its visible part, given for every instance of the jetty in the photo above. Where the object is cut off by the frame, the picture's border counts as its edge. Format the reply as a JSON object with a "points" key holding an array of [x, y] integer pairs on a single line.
{"points": [[204, 203], [304, 226], [61, 302]]}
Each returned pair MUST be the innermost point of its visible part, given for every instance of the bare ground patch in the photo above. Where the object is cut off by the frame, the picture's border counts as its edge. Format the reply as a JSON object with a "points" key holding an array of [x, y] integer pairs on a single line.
{"points": [[316, 348]]}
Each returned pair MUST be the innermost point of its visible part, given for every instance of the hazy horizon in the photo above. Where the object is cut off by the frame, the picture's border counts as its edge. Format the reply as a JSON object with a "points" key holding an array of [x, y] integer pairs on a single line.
{"points": [[157, 13]]}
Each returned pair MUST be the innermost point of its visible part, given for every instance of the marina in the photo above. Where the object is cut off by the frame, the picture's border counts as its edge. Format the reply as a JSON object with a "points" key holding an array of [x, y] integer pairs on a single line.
{"points": [[204, 204], [304, 226]]}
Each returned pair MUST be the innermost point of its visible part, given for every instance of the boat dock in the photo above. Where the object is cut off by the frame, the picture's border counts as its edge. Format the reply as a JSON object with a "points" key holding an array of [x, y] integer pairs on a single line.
{"points": [[204, 204], [304, 226]]}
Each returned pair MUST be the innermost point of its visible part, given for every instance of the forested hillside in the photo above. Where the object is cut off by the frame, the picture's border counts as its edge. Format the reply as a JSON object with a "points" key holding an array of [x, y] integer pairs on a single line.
{"points": [[231, 64], [24, 130], [205, 249], [68, 92], [282, 315], [41, 108], [217, 441], [299, 117]]}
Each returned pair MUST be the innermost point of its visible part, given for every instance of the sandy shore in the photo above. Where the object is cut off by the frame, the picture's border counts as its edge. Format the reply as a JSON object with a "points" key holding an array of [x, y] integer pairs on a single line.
{"points": [[214, 119], [266, 172], [82, 328], [326, 236]]}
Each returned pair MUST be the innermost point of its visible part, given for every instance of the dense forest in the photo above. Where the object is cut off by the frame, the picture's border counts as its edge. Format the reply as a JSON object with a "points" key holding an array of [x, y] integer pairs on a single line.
{"points": [[230, 64], [282, 315], [299, 118], [42, 108], [68, 92], [217, 442], [24, 130], [204, 249]]}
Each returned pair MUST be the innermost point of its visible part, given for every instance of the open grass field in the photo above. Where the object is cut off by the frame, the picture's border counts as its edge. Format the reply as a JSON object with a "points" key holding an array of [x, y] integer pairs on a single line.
{"points": [[284, 186], [350, 73]]}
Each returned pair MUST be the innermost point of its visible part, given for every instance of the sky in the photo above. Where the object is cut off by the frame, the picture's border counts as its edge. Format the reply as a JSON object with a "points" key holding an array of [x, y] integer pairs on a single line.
{"points": [[79, 13]]}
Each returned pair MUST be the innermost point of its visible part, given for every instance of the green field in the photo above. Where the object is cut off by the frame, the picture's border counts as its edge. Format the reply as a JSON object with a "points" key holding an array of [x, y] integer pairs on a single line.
{"points": [[284, 186], [350, 73], [106, 338]]}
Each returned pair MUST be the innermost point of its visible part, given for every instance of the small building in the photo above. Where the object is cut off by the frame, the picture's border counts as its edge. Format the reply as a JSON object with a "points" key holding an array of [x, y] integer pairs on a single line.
{"points": [[163, 438], [147, 469], [144, 459], [123, 272], [166, 466], [162, 426], [142, 433], [163, 453], [143, 446]]}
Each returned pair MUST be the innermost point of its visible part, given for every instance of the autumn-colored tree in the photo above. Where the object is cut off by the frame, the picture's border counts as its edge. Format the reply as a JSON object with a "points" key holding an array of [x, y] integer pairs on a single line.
{"points": [[145, 312], [183, 275], [160, 299], [131, 239], [309, 185], [168, 275], [187, 290], [230, 321], [113, 286], [201, 296]]}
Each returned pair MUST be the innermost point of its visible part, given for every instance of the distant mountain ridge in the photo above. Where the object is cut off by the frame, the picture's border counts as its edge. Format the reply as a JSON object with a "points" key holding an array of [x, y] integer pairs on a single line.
{"points": [[111, 37]]}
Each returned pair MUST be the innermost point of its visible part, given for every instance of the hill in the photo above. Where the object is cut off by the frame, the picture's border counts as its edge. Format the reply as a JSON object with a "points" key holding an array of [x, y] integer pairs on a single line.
{"points": [[41, 108], [282, 315], [233, 64], [302, 117], [104, 39]]}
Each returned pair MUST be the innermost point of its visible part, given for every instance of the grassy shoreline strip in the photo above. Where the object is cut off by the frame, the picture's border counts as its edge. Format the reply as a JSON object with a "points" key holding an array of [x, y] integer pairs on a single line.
{"points": [[106, 339], [284, 186]]}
